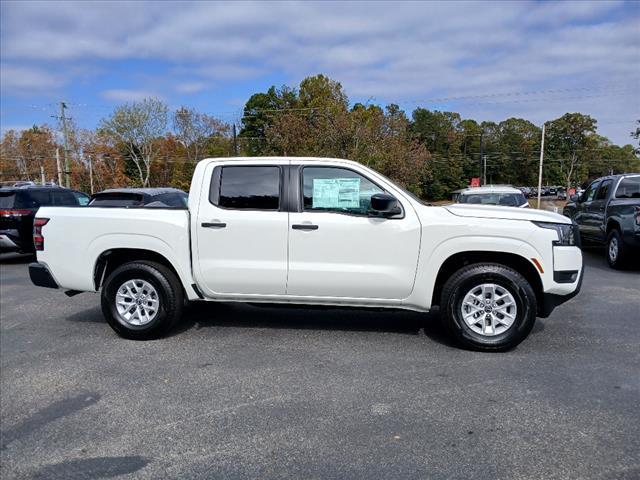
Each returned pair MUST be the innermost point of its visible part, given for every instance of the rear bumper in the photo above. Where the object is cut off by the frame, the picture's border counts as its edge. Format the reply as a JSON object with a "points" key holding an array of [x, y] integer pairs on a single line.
{"points": [[550, 301], [41, 276]]}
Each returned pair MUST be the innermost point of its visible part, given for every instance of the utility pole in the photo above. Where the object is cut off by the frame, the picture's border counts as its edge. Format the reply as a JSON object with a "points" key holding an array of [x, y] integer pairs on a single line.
{"points": [[235, 141], [58, 166], [484, 161], [481, 151], [540, 171], [42, 179], [67, 170]]}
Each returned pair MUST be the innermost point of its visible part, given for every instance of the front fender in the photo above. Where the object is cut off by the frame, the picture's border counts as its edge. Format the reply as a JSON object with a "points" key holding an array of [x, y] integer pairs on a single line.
{"points": [[431, 262]]}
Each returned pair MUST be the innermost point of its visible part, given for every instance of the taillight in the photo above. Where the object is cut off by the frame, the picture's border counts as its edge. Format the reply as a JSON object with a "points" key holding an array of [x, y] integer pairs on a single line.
{"points": [[14, 212], [38, 239]]}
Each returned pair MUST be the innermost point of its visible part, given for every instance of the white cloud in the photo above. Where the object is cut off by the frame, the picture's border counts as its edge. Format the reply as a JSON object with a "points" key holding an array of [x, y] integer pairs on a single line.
{"points": [[21, 79], [127, 95], [191, 87], [391, 51]]}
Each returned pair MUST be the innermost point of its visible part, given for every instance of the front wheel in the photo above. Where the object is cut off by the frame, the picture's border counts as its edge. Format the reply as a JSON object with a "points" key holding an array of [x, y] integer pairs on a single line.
{"points": [[488, 307], [142, 300]]}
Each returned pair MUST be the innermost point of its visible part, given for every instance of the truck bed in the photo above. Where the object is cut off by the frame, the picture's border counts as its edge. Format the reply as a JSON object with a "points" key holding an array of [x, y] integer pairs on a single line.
{"points": [[75, 237]]}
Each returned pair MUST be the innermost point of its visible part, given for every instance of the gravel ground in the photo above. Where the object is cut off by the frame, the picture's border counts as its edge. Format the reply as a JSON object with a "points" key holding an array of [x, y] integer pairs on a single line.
{"points": [[241, 391]]}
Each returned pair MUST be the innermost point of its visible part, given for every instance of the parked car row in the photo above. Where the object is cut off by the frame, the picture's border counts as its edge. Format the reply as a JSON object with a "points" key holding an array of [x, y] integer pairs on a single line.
{"points": [[548, 191], [19, 202]]}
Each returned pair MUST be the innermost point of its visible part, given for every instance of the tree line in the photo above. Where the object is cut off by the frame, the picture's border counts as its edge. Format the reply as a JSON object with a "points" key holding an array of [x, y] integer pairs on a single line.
{"points": [[429, 152]]}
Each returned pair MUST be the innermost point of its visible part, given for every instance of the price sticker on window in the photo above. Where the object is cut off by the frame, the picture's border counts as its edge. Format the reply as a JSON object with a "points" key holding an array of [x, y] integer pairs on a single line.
{"points": [[336, 193]]}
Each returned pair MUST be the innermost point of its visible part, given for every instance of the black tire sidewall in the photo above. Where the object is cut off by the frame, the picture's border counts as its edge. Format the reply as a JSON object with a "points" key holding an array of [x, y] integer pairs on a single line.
{"points": [[160, 323], [618, 261], [517, 287]]}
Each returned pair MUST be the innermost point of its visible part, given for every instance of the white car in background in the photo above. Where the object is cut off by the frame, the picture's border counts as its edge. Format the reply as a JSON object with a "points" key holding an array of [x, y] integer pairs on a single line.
{"points": [[502, 195]]}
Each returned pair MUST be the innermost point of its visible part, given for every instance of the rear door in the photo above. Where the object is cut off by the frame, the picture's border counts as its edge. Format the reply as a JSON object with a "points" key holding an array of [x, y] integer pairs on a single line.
{"points": [[242, 229]]}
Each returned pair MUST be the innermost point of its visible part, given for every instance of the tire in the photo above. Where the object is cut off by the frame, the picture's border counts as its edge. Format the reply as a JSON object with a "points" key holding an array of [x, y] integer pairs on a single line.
{"points": [[616, 250], [163, 300], [488, 334]]}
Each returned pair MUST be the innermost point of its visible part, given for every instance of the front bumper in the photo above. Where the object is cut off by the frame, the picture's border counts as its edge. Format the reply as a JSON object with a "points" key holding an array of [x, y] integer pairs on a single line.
{"points": [[41, 276], [550, 301]]}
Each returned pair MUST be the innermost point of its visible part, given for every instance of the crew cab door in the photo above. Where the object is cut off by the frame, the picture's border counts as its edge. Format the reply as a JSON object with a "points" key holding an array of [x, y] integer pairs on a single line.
{"points": [[596, 211], [336, 249], [583, 209], [241, 230]]}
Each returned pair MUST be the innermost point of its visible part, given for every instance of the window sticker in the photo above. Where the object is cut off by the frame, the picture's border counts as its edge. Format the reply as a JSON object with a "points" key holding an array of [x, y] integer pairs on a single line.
{"points": [[336, 193]]}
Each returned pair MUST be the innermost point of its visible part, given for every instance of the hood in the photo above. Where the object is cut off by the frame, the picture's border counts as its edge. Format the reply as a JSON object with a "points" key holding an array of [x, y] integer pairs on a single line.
{"points": [[505, 213]]}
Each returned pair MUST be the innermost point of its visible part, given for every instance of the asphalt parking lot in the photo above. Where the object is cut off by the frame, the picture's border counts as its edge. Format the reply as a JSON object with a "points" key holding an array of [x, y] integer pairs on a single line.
{"points": [[242, 391]]}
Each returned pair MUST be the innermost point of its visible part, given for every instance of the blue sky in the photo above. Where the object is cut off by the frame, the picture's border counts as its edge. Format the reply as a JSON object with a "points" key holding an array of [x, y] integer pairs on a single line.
{"points": [[488, 61]]}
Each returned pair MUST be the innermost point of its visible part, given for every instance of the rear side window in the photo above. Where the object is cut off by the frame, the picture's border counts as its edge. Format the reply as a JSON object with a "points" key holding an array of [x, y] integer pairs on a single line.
{"points": [[116, 200], [603, 192], [7, 199], [629, 188], [250, 188], [63, 199], [172, 199]]}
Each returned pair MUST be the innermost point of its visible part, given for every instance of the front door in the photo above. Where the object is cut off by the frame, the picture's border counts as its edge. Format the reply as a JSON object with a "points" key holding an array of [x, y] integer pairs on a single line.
{"points": [[583, 212], [595, 218], [241, 231], [337, 250]]}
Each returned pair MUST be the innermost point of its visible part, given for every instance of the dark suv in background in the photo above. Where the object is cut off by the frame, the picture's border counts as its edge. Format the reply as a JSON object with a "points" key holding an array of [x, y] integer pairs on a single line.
{"points": [[18, 207], [608, 212], [140, 197]]}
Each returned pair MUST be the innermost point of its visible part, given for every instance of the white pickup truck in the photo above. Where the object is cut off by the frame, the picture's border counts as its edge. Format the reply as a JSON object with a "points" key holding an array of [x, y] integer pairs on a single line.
{"points": [[312, 231]]}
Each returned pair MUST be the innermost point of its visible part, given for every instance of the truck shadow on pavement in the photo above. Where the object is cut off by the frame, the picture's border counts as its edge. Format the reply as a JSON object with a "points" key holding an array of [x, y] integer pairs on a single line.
{"points": [[241, 315], [200, 315]]}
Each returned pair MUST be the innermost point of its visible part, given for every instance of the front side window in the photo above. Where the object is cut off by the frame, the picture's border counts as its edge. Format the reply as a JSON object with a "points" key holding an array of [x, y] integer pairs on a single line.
{"points": [[334, 189], [250, 188], [604, 190]]}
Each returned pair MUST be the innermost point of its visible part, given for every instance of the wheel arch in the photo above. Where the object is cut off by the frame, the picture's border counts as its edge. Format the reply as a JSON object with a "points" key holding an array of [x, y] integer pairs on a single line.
{"points": [[612, 223], [461, 259], [111, 259]]}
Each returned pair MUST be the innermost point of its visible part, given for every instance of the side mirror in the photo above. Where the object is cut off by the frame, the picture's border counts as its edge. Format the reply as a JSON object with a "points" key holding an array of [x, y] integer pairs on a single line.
{"points": [[574, 198], [384, 205]]}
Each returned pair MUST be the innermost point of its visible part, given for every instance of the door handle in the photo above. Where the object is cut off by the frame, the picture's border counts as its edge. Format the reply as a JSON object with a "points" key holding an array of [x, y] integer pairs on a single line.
{"points": [[304, 226], [214, 224]]}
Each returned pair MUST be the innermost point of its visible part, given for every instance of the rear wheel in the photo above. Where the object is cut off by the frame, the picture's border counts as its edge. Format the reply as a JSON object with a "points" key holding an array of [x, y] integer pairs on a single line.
{"points": [[616, 251], [142, 300], [488, 307]]}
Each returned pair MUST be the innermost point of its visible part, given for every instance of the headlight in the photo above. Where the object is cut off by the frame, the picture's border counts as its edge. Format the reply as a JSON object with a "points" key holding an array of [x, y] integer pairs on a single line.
{"points": [[567, 234]]}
